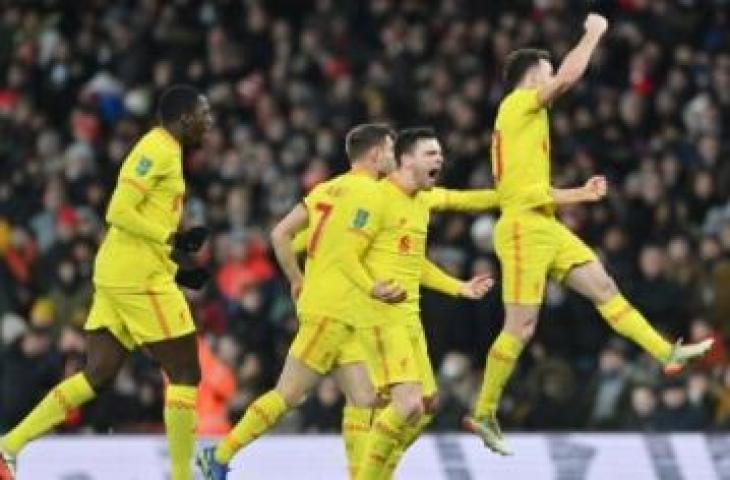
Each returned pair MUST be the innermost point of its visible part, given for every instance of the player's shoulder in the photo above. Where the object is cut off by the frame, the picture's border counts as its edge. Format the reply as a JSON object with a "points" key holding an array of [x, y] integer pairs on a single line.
{"points": [[519, 99], [159, 143], [358, 186], [332, 187]]}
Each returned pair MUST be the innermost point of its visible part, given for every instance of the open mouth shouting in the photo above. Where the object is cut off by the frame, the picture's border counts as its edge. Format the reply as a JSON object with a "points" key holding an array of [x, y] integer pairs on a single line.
{"points": [[434, 173]]}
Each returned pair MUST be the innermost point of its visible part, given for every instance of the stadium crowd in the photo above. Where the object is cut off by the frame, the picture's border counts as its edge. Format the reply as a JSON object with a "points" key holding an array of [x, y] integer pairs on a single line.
{"points": [[287, 79]]}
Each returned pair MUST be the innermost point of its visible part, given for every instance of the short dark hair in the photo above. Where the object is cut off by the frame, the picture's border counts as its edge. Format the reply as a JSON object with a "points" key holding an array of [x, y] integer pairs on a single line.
{"points": [[519, 62], [362, 138], [409, 137], [176, 101]]}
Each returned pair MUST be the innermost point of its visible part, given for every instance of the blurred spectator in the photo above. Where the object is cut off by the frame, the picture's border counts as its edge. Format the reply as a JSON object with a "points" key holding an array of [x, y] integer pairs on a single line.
{"points": [[642, 413], [30, 367], [458, 387], [608, 386], [217, 385], [322, 412], [716, 358], [676, 412]]}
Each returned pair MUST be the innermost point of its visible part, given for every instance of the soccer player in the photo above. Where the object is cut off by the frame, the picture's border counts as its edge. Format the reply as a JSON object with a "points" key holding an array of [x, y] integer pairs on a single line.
{"points": [[357, 420], [531, 243], [136, 302], [329, 299]]}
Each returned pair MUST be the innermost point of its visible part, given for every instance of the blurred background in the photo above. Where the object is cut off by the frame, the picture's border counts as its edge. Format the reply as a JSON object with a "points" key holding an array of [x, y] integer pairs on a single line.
{"points": [[287, 79]]}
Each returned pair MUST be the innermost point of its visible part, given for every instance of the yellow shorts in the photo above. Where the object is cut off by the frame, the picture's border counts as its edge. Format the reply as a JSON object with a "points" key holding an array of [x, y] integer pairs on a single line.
{"points": [[319, 342], [397, 353], [531, 246], [352, 352], [139, 318]]}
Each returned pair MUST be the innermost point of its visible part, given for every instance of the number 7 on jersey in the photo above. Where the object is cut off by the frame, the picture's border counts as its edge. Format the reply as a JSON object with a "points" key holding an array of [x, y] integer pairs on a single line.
{"points": [[325, 210]]}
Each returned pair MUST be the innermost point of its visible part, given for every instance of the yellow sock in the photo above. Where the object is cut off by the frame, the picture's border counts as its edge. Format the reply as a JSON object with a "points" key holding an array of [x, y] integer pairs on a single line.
{"points": [[355, 427], [627, 321], [386, 433], [411, 434], [50, 412], [180, 423], [501, 361], [260, 416]]}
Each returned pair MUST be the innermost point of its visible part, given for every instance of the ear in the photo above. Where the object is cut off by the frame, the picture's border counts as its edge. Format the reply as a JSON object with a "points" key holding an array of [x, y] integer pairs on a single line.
{"points": [[186, 119]]}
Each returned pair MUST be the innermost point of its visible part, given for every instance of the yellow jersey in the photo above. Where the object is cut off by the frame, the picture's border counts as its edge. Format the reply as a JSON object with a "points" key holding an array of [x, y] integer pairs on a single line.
{"points": [[521, 152], [336, 284], [398, 250], [144, 210]]}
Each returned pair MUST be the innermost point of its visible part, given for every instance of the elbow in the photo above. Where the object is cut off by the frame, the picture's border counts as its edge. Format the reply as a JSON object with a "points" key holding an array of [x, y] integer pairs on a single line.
{"points": [[276, 234], [279, 235], [568, 77]]}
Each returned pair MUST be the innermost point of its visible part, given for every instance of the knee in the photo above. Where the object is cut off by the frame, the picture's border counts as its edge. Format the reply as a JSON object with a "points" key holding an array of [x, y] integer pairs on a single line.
{"points": [[292, 395], [363, 398], [605, 289], [522, 328]]}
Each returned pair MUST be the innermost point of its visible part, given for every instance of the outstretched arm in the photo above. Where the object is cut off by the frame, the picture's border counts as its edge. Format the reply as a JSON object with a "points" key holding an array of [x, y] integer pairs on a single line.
{"points": [[463, 200], [576, 61], [592, 191], [436, 279]]}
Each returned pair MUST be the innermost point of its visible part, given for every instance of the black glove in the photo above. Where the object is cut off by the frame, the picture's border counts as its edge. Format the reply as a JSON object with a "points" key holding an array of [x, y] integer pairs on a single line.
{"points": [[190, 240], [193, 278]]}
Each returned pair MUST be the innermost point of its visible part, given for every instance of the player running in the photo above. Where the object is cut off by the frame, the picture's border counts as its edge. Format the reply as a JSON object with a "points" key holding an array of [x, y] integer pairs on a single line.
{"points": [[531, 243], [329, 297], [136, 302], [357, 384]]}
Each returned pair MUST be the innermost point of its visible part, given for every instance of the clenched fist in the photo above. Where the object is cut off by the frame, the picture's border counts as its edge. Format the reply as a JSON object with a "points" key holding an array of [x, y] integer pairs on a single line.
{"points": [[596, 23], [595, 188]]}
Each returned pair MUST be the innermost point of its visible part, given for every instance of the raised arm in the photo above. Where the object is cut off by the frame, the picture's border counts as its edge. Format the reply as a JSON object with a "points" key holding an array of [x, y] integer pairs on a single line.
{"points": [[575, 62]]}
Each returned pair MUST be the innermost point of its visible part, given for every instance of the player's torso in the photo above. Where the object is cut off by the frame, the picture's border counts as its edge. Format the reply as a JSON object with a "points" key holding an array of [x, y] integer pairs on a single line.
{"points": [[521, 154], [164, 201], [399, 249], [333, 210], [126, 260]]}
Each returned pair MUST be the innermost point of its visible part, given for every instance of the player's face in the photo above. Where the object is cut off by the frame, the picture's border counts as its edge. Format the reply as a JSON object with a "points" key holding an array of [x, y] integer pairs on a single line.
{"points": [[199, 122], [427, 162], [386, 163]]}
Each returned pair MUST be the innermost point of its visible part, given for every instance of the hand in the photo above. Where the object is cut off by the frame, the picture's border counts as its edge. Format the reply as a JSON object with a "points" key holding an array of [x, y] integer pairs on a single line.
{"points": [[190, 240], [596, 23], [388, 292], [194, 278], [595, 188], [477, 287]]}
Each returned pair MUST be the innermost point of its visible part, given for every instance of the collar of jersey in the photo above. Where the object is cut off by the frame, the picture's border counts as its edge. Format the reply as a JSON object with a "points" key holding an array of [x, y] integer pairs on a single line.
{"points": [[172, 141], [361, 172], [399, 187]]}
